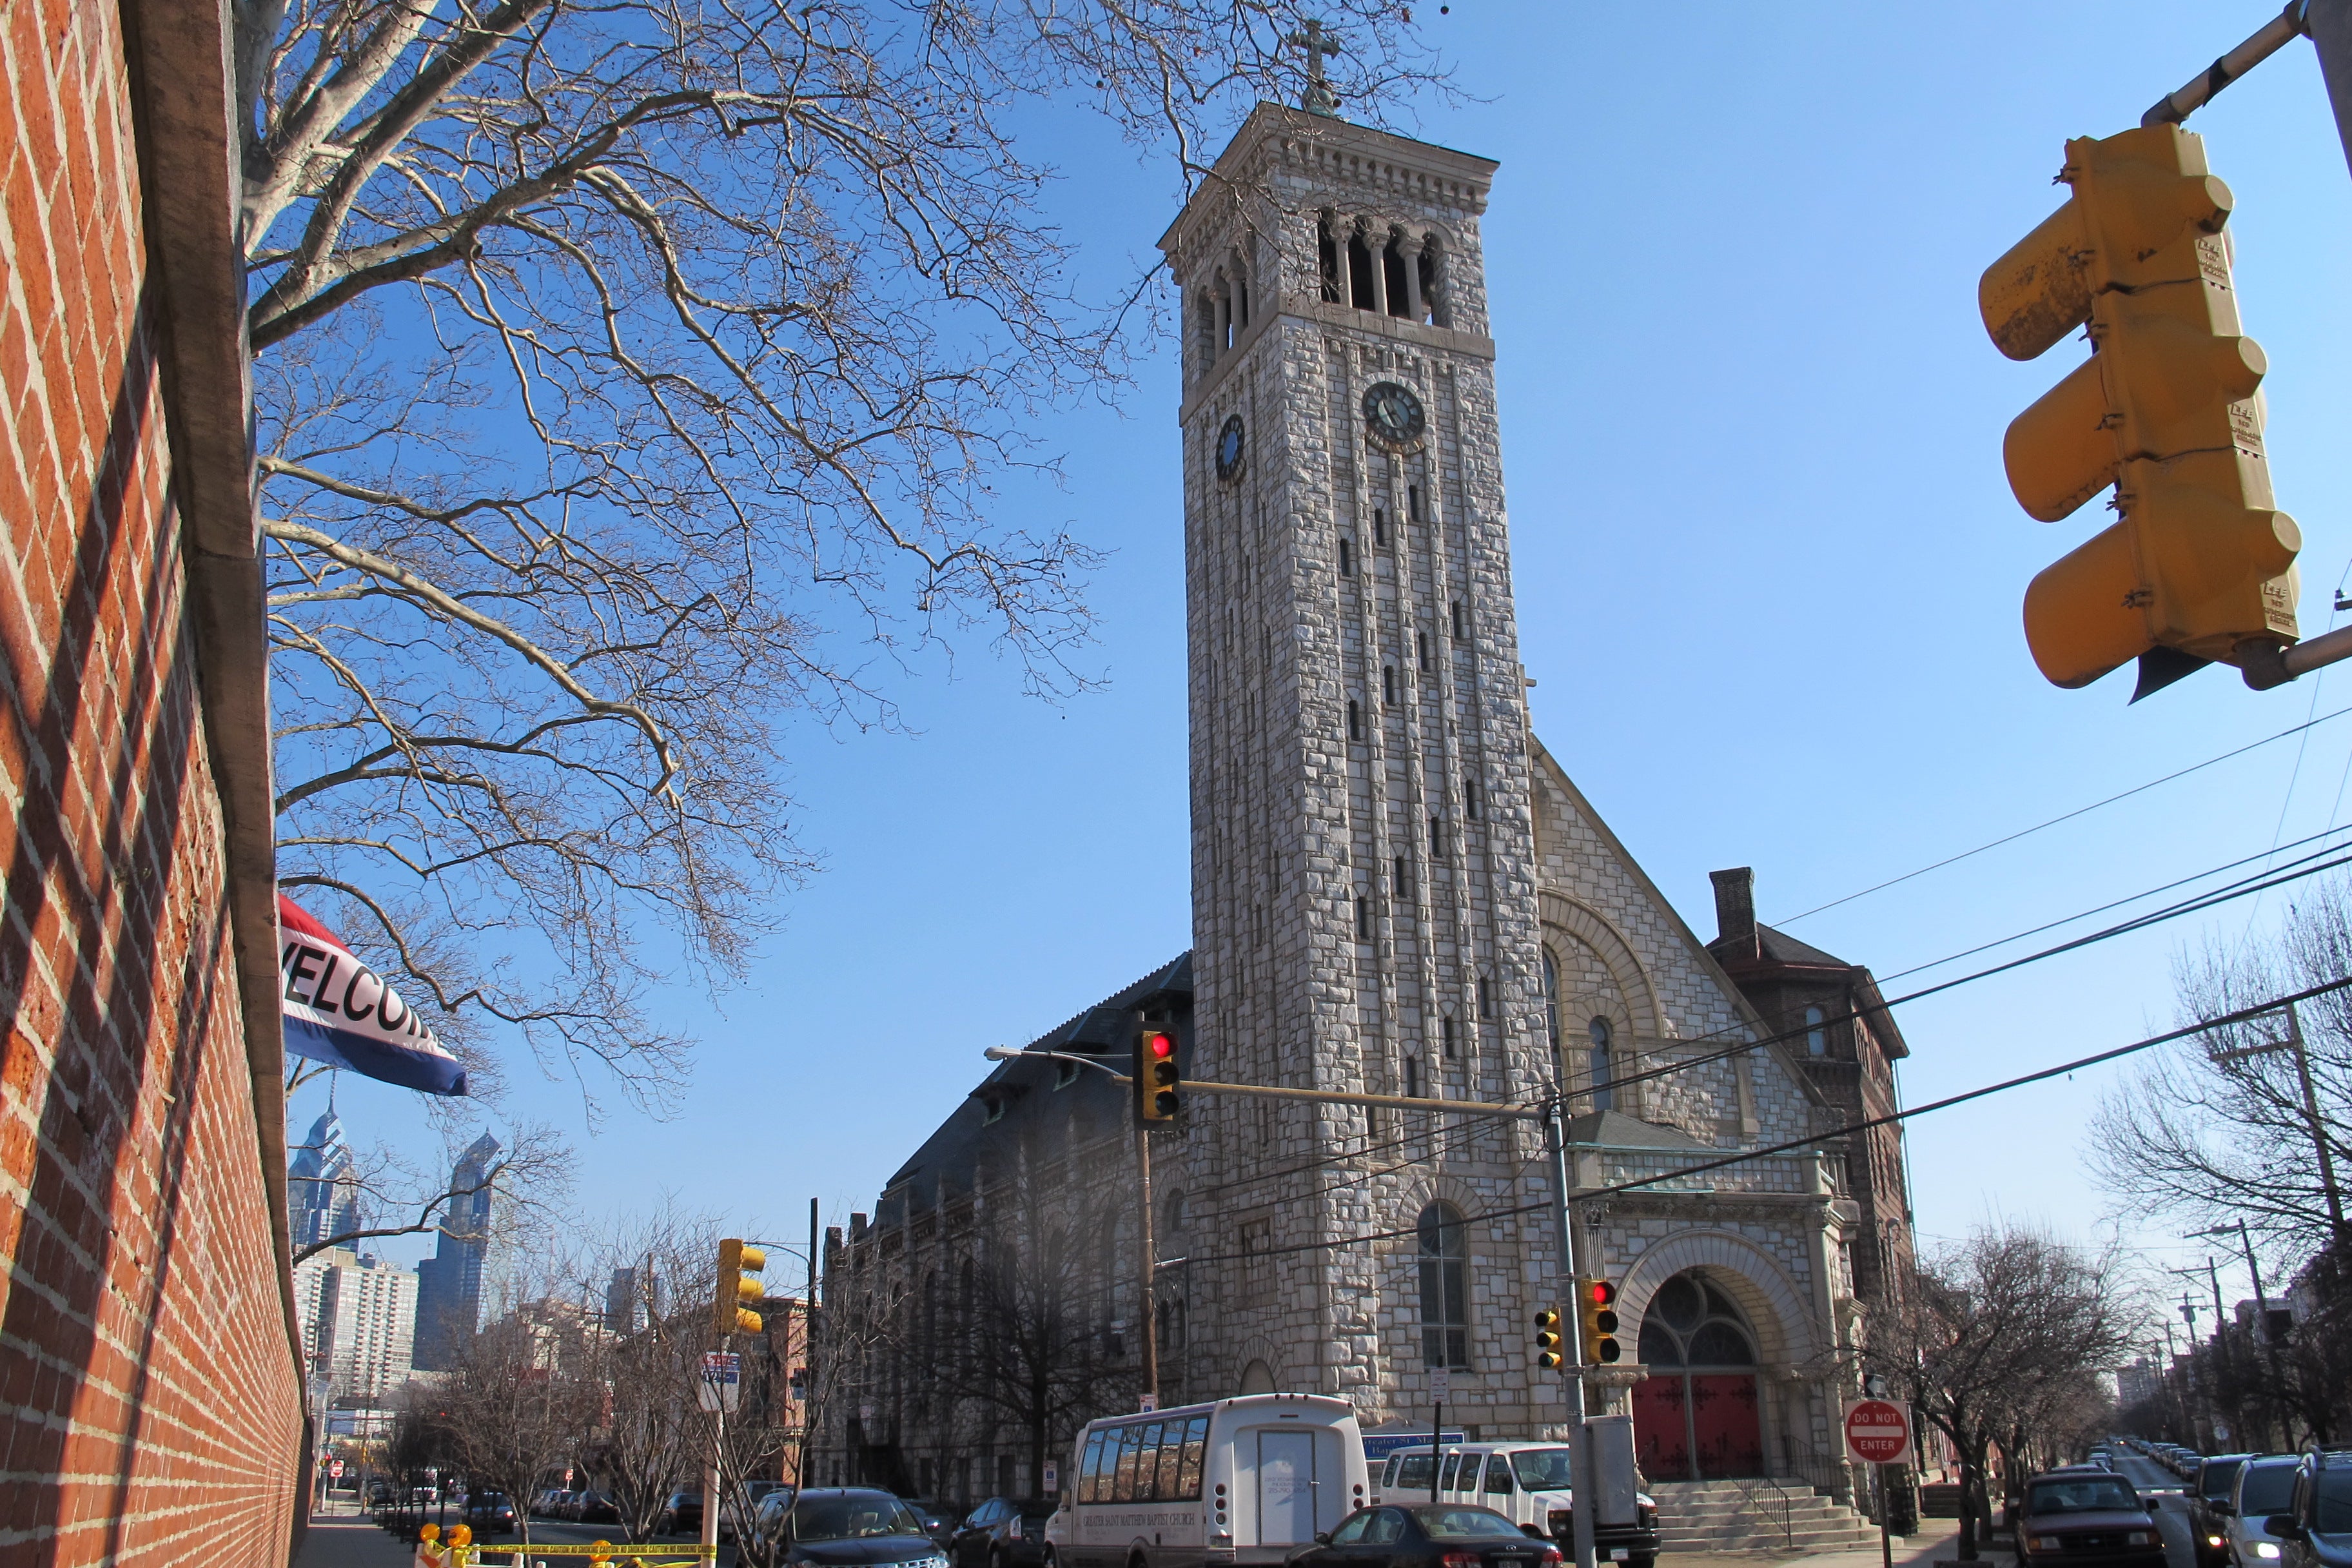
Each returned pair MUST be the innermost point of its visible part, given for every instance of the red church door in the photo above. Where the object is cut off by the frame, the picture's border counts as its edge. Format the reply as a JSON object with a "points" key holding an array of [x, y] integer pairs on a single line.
{"points": [[1727, 1426], [1662, 1429], [1698, 1416]]}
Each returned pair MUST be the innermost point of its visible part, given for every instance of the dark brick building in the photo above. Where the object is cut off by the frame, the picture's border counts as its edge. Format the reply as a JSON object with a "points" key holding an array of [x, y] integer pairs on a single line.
{"points": [[1838, 1030]]}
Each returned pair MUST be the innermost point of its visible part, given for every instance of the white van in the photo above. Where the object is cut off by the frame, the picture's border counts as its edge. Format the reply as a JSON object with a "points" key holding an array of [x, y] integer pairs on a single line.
{"points": [[1526, 1482], [1242, 1480]]}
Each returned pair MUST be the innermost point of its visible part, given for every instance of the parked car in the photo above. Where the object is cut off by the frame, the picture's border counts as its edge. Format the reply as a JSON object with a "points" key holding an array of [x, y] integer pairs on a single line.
{"points": [[768, 1517], [2082, 1518], [2209, 1507], [855, 1525], [1439, 1535], [2315, 1530], [681, 1514], [746, 1498], [596, 1507], [2264, 1486], [491, 1514], [542, 1502], [1003, 1532], [1527, 1483], [937, 1522]]}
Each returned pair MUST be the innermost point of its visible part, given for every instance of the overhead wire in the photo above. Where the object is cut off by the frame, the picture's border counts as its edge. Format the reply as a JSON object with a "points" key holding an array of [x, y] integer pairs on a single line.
{"points": [[2066, 816], [1743, 1156]]}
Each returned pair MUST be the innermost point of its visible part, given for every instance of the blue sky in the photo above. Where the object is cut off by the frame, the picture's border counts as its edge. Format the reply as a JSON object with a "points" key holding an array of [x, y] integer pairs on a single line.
{"points": [[1767, 572]]}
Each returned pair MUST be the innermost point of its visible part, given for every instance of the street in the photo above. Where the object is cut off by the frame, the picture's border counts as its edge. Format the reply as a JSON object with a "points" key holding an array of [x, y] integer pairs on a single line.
{"points": [[2162, 1491]]}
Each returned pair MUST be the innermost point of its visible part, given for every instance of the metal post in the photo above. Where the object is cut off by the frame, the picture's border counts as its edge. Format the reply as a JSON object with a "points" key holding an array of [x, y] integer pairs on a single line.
{"points": [[710, 1474], [1147, 1264], [1886, 1541], [1584, 1494], [2221, 1356], [1436, 1445], [2329, 22]]}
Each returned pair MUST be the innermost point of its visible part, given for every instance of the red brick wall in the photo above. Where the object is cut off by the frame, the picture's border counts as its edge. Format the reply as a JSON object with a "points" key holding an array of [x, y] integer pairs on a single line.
{"points": [[149, 1397]]}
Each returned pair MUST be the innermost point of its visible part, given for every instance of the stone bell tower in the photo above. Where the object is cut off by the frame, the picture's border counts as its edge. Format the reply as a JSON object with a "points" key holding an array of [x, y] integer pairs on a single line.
{"points": [[1364, 863]]}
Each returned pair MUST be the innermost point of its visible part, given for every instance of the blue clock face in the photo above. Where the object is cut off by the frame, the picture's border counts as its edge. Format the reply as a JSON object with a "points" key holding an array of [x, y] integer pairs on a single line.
{"points": [[1229, 449]]}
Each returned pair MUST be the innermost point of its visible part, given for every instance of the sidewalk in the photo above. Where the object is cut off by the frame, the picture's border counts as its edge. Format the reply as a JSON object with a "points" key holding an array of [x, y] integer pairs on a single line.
{"points": [[1922, 1551], [344, 1538]]}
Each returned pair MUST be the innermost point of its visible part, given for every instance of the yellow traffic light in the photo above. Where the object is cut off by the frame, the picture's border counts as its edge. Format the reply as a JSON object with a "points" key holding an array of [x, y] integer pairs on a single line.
{"points": [[739, 1267], [1548, 1356], [1156, 1078], [1596, 1305], [2201, 565]]}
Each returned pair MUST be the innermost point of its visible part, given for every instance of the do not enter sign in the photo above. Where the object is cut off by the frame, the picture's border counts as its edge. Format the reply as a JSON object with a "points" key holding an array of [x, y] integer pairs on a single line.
{"points": [[1877, 1432]]}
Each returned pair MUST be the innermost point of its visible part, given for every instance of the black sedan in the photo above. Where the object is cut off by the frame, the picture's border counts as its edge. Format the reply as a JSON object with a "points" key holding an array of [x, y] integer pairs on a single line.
{"points": [[489, 1514], [854, 1527], [2084, 1519], [1437, 1535], [681, 1514], [1003, 1532]]}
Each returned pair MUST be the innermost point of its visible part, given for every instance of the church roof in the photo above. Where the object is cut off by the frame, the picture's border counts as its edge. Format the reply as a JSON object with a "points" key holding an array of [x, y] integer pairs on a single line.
{"points": [[1779, 947]]}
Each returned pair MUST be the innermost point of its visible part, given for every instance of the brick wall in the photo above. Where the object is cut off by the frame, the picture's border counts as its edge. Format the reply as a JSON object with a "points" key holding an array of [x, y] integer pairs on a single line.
{"points": [[149, 1394]]}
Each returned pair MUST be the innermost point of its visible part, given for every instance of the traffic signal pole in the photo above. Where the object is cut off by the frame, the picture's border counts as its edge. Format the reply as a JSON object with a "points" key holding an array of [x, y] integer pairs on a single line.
{"points": [[1148, 1266], [2328, 25], [1585, 1496]]}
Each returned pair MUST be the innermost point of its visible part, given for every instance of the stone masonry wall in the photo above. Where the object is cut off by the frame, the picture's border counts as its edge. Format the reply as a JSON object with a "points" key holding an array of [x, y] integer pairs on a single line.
{"points": [[150, 1397]]}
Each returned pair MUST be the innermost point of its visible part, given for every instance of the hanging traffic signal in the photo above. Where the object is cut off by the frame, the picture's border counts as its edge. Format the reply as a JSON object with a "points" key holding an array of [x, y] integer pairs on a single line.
{"points": [[739, 1268], [2199, 567], [1596, 1303], [1549, 1355], [1155, 1078]]}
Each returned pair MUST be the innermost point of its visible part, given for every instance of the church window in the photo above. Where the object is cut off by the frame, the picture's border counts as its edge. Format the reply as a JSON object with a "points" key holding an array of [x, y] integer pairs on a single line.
{"points": [[1388, 684], [1347, 559], [1817, 1039], [1470, 799], [1404, 889], [1485, 998], [1412, 503], [1605, 1092], [1437, 838], [1066, 1075], [1458, 620], [1380, 526], [1551, 1000], [1421, 649], [1690, 1323], [1359, 273], [1326, 256], [1444, 1289], [1412, 1077], [1363, 918], [1355, 719], [1445, 1034]]}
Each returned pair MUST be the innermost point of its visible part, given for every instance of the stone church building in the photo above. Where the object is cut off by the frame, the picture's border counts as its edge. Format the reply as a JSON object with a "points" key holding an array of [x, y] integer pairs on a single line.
{"points": [[1397, 890]]}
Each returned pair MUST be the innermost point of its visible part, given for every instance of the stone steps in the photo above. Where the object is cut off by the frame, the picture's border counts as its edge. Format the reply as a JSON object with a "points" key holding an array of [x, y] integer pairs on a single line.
{"points": [[1755, 1516]]}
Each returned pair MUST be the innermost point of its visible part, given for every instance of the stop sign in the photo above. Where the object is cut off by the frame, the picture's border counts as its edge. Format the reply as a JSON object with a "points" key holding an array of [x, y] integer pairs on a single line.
{"points": [[335, 1469], [1877, 1432]]}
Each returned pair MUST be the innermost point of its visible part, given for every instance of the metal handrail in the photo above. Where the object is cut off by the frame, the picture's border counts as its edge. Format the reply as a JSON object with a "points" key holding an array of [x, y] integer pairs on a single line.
{"points": [[1749, 1493]]}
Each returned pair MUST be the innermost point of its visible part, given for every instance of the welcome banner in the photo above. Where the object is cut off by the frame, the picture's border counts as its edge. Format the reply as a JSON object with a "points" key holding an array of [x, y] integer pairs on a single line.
{"points": [[340, 1012]]}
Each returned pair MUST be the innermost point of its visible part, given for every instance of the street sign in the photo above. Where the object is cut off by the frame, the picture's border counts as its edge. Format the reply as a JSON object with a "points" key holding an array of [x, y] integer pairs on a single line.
{"points": [[1441, 1385], [721, 1384], [1877, 1432], [1150, 1402], [335, 1469], [1052, 1479]]}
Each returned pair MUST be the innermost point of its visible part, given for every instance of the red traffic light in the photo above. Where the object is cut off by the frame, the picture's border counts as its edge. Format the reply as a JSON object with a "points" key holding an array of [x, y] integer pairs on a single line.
{"points": [[1160, 1045], [1599, 1292]]}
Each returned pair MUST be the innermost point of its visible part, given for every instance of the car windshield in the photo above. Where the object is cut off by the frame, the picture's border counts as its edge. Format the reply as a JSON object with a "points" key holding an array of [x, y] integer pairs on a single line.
{"points": [[1543, 1469], [1465, 1524], [2213, 1480], [2265, 1490], [852, 1519], [2084, 1494], [2334, 1514]]}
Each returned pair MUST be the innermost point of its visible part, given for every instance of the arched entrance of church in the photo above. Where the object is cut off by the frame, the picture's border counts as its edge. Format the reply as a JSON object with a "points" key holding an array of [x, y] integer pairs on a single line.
{"points": [[1699, 1413]]}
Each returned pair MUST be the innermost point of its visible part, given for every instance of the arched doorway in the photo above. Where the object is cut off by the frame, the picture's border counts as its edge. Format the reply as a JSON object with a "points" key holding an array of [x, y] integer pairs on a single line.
{"points": [[1698, 1415]]}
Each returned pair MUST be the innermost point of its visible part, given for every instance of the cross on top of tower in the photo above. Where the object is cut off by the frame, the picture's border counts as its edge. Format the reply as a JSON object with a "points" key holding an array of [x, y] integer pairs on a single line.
{"points": [[1317, 98]]}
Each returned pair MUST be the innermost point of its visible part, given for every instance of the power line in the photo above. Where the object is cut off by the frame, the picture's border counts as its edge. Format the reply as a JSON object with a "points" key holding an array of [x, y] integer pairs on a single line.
{"points": [[2069, 816], [2096, 1059]]}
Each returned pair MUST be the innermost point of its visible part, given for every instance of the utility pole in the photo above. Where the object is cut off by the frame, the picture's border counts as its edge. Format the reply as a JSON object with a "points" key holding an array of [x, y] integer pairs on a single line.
{"points": [[1586, 1493], [2313, 1121]]}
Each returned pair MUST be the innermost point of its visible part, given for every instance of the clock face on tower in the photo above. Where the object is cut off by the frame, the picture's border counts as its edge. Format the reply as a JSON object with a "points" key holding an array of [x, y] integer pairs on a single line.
{"points": [[1229, 449], [1393, 415]]}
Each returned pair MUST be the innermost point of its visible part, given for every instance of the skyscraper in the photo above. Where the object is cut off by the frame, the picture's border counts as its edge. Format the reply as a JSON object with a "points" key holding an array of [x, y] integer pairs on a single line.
{"points": [[359, 1323], [322, 1189], [449, 1283]]}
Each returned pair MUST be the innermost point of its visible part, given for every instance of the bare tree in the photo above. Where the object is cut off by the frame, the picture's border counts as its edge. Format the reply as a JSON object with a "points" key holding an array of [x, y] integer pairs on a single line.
{"points": [[1991, 1339], [522, 1399], [656, 1325], [2211, 1131], [634, 381]]}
